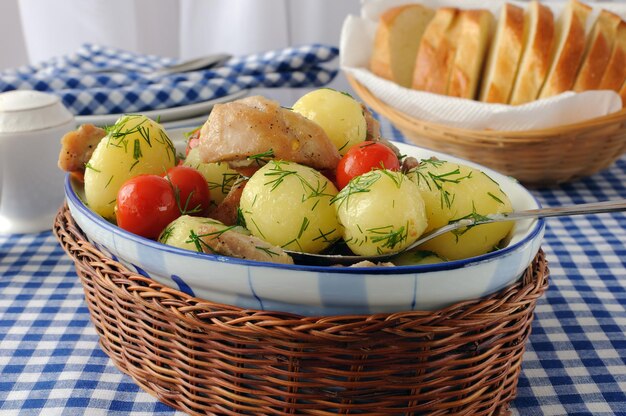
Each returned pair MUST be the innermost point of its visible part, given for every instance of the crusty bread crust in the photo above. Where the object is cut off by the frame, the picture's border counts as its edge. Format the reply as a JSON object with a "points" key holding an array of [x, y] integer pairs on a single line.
{"points": [[504, 56], [436, 52], [568, 49], [615, 72], [535, 61], [397, 39], [475, 28], [597, 52]]}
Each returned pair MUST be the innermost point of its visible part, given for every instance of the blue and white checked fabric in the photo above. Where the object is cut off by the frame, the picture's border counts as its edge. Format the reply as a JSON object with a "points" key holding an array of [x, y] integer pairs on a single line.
{"points": [[575, 363], [101, 80]]}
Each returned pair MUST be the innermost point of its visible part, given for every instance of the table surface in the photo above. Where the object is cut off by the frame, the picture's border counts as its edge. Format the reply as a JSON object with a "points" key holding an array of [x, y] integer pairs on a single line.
{"points": [[575, 362]]}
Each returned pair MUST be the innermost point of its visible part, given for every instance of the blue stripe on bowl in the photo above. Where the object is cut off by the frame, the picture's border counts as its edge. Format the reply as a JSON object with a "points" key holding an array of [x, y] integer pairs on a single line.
{"points": [[182, 286], [141, 271]]}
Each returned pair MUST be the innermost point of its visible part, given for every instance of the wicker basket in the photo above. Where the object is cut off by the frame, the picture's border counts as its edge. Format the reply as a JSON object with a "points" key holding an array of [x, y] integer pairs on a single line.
{"points": [[208, 358], [534, 157]]}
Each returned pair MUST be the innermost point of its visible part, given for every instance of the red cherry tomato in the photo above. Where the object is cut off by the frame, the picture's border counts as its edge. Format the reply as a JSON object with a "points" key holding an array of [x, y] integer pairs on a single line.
{"points": [[191, 189], [363, 157], [146, 204]]}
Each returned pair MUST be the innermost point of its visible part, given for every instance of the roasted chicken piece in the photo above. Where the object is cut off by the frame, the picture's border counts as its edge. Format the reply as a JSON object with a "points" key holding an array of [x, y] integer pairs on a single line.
{"points": [[226, 211], [256, 127], [216, 240], [77, 146]]}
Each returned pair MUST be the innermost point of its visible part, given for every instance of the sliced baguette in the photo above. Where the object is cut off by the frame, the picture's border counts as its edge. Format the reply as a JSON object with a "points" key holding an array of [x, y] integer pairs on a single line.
{"points": [[533, 68], [597, 51], [504, 56], [568, 49], [397, 39], [474, 31], [615, 72], [436, 52]]}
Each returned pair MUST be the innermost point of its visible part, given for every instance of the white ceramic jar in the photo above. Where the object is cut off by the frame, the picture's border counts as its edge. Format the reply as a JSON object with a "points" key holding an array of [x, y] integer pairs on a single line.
{"points": [[31, 185]]}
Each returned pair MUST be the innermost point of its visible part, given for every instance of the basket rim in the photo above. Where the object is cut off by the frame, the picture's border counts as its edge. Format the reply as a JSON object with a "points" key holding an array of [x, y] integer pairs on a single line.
{"points": [[72, 238], [535, 135]]}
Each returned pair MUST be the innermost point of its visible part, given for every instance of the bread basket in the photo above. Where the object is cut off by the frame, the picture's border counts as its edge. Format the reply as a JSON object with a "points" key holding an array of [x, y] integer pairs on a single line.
{"points": [[536, 158], [208, 358]]}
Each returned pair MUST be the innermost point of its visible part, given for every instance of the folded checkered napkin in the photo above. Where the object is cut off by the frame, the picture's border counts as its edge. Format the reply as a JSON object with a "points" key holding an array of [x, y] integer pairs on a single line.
{"points": [[103, 80]]}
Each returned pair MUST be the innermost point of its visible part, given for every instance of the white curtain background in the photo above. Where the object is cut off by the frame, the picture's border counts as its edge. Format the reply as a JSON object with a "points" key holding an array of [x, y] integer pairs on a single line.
{"points": [[35, 30]]}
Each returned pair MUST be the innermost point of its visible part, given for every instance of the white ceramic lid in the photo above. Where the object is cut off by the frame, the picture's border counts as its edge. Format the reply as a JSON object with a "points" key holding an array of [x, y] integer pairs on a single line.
{"points": [[25, 110]]}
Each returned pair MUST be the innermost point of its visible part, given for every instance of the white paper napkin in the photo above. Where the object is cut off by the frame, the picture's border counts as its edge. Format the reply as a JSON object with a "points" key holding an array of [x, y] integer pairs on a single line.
{"points": [[357, 38]]}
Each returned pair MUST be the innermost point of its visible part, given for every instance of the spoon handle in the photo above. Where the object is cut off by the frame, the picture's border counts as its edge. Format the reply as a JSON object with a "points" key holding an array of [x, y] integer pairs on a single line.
{"points": [[579, 209], [591, 208]]}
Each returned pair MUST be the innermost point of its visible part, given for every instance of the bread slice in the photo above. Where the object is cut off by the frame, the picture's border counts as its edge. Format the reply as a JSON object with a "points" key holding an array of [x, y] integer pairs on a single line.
{"points": [[615, 72], [504, 56], [436, 52], [535, 61], [568, 49], [597, 51], [475, 28], [397, 38]]}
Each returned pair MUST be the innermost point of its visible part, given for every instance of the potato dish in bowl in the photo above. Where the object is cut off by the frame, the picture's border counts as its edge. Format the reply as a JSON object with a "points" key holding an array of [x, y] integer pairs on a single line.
{"points": [[288, 186]]}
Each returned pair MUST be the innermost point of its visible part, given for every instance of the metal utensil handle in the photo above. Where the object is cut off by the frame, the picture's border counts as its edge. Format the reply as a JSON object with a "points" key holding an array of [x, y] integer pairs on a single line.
{"points": [[580, 209]]}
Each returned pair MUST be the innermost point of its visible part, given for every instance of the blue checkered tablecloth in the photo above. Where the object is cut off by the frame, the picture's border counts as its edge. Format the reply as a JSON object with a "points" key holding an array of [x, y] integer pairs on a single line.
{"points": [[575, 363], [102, 80]]}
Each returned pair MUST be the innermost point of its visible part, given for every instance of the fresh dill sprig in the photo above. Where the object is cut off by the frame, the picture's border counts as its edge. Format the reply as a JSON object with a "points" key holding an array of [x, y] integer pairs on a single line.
{"points": [[267, 251], [262, 158], [358, 185], [388, 235], [474, 216], [90, 167]]}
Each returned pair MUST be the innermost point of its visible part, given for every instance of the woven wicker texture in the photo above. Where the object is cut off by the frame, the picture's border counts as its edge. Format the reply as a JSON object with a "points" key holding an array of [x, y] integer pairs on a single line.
{"points": [[208, 358], [536, 157]]}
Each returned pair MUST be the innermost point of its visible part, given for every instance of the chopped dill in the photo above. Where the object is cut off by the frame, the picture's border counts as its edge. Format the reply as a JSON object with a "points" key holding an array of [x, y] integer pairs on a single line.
{"points": [[388, 236], [267, 251], [495, 198], [262, 158], [90, 167]]}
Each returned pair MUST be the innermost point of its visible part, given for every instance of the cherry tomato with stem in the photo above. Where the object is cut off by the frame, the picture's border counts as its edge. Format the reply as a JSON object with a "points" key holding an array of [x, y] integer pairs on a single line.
{"points": [[363, 157], [191, 190], [146, 204]]}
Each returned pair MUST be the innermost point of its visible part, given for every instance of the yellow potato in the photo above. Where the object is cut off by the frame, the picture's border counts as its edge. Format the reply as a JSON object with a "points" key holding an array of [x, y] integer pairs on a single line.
{"points": [[183, 232], [289, 205], [135, 145], [381, 211], [452, 192], [219, 176], [340, 115]]}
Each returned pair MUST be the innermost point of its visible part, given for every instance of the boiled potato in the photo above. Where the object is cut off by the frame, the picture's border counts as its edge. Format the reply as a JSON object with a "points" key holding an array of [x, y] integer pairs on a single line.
{"points": [[183, 232], [289, 205], [452, 192], [382, 211], [340, 115], [135, 145], [219, 176]]}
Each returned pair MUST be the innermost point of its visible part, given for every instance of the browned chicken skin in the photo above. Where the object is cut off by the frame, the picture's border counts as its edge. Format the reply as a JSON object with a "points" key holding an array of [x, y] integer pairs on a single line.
{"points": [[77, 146], [226, 211], [232, 243], [254, 126]]}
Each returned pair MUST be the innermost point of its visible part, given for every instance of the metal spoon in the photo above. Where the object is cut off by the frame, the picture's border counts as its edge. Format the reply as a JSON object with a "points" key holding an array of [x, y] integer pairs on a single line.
{"points": [[580, 209], [205, 62]]}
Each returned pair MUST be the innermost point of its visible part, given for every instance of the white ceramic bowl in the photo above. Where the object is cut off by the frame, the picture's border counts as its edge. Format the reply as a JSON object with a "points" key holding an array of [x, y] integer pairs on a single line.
{"points": [[316, 290]]}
